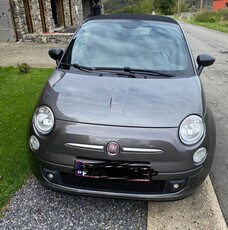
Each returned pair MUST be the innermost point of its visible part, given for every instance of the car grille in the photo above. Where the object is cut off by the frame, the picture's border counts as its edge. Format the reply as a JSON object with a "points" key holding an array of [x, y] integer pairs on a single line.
{"points": [[155, 187]]}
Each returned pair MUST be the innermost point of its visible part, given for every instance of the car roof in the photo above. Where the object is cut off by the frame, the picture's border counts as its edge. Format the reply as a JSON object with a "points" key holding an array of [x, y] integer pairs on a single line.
{"points": [[135, 17]]}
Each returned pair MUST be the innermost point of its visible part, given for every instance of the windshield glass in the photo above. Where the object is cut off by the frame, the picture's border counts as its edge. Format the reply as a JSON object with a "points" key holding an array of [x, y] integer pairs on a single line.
{"points": [[139, 44]]}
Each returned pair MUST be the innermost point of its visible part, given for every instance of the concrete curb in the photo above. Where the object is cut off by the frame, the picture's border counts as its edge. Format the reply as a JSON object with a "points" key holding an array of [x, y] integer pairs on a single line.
{"points": [[199, 211]]}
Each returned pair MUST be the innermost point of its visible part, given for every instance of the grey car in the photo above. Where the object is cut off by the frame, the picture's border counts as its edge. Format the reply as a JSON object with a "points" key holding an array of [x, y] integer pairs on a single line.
{"points": [[124, 114]]}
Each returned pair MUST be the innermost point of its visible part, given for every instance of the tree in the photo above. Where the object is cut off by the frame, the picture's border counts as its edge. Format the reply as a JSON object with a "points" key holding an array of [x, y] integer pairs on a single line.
{"points": [[164, 6], [197, 3], [112, 5], [129, 6]]}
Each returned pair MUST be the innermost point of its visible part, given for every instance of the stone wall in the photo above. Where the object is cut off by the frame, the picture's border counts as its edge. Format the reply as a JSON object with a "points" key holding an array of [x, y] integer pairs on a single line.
{"points": [[80, 10], [19, 17], [77, 18], [48, 16], [67, 13], [55, 38], [35, 16], [60, 12]]}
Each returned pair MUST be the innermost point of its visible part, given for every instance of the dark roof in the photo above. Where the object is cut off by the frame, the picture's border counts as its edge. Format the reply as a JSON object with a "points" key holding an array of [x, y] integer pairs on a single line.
{"points": [[136, 17]]}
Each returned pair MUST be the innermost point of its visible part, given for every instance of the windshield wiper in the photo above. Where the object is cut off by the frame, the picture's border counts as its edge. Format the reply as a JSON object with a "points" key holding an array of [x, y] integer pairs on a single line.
{"points": [[134, 71], [115, 71], [80, 67], [149, 72], [90, 69]]}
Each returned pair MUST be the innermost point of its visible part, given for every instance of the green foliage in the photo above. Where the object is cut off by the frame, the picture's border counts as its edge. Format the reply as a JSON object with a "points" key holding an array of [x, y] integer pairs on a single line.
{"points": [[205, 17], [213, 26], [164, 6], [24, 68], [220, 17], [196, 3], [143, 7], [110, 5], [213, 20], [147, 7], [184, 7], [18, 96]]}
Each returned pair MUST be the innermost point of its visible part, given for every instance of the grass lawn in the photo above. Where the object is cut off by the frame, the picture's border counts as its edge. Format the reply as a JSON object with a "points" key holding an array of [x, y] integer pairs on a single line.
{"points": [[213, 26], [18, 96]]}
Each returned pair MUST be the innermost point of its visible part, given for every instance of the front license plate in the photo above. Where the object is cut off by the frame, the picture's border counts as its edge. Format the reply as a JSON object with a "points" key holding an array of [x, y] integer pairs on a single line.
{"points": [[130, 171], [79, 169], [83, 167]]}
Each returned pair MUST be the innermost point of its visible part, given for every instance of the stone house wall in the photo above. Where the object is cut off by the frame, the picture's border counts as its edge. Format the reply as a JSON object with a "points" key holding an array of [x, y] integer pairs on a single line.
{"points": [[19, 17], [48, 17], [35, 16], [77, 18], [69, 13]]}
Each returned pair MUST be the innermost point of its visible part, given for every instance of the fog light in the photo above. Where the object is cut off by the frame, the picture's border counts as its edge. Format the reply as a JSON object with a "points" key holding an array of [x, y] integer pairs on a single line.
{"points": [[176, 186], [50, 176], [34, 143], [200, 155]]}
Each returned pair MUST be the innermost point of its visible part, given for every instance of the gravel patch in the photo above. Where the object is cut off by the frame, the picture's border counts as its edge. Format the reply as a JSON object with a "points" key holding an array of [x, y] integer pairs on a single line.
{"points": [[34, 207]]}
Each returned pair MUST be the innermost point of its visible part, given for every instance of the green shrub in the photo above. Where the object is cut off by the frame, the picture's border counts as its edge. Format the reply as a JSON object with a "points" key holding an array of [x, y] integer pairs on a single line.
{"points": [[205, 17], [220, 16], [24, 68], [143, 7]]}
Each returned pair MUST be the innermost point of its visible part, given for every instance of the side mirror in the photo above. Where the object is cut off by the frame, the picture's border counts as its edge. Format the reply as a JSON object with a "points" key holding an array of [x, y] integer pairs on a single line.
{"points": [[56, 54], [204, 60]]}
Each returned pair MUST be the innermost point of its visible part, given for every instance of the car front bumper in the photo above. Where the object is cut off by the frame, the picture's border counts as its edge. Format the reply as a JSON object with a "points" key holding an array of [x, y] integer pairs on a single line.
{"points": [[65, 181], [174, 163]]}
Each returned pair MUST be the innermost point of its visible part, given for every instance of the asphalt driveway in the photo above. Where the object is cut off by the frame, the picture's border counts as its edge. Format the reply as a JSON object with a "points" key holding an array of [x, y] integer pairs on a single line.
{"points": [[215, 82]]}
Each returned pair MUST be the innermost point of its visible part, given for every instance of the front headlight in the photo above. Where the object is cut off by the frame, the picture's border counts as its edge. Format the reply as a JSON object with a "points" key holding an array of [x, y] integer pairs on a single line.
{"points": [[191, 130], [43, 119]]}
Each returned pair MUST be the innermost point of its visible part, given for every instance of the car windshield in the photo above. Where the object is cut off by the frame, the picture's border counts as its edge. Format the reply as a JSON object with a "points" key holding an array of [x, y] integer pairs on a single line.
{"points": [[138, 44]]}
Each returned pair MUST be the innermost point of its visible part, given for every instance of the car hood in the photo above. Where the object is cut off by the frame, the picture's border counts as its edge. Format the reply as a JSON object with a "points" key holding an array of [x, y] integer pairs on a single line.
{"points": [[112, 100]]}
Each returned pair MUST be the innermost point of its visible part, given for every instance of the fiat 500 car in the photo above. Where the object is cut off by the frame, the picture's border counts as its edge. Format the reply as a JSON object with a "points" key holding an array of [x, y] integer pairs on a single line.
{"points": [[124, 113]]}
